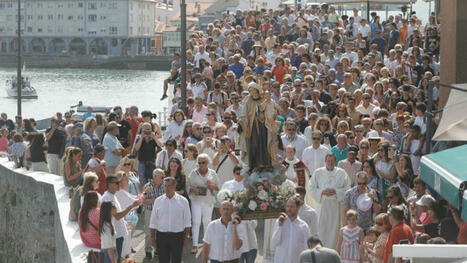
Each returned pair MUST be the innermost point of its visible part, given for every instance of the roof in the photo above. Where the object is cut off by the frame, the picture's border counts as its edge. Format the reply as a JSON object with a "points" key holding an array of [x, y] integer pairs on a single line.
{"points": [[221, 6], [444, 171], [453, 124]]}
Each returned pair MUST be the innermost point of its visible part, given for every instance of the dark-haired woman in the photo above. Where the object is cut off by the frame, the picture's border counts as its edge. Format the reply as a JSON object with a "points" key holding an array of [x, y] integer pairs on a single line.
{"points": [[175, 170], [37, 152], [107, 233], [88, 220]]}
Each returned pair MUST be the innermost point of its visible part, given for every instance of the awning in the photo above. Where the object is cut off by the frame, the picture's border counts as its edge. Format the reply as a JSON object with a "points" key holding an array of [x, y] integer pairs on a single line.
{"points": [[444, 171], [453, 124], [344, 2]]}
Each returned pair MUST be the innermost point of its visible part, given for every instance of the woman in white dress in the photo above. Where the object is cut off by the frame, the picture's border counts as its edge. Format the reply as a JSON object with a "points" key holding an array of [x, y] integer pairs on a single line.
{"points": [[189, 162]]}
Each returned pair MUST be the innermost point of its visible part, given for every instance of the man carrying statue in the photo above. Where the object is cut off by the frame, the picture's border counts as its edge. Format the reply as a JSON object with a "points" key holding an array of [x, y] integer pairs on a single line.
{"points": [[258, 129]]}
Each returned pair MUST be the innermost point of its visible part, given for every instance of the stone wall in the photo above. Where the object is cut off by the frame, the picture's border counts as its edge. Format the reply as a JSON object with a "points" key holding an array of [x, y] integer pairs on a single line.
{"points": [[33, 218]]}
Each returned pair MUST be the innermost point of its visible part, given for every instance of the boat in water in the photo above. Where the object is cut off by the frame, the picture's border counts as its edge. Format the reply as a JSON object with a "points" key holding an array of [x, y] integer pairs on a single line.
{"points": [[27, 91]]}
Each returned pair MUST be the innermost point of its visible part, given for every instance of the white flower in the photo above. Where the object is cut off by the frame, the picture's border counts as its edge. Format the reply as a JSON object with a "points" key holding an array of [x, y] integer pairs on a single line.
{"points": [[252, 205], [263, 195], [224, 195]]}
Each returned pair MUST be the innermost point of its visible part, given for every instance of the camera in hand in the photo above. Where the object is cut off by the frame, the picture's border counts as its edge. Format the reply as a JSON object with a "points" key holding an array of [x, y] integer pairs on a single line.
{"points": [[202, 190]]}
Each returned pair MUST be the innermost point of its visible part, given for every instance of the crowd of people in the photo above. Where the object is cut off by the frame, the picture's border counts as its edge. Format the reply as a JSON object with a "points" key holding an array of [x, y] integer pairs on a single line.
{"points": [[347, 96]]}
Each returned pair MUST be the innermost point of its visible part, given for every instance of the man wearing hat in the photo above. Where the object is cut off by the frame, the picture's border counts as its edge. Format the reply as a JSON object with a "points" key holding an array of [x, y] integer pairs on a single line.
{"points": [[97, 165], [113, 155], [199, 88], [362, 199], [81, 140]]}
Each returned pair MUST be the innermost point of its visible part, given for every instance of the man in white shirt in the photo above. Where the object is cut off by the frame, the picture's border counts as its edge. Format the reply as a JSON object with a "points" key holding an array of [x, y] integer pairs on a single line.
{"points": [[118, 221], [235, 184], [314, 155], [367, 108], [356, 17], [170, 223], [201, 55], [292, 138], [223, 237], [365, 30], [307, 213], [290, 233], [327, 186], [199, 111]]}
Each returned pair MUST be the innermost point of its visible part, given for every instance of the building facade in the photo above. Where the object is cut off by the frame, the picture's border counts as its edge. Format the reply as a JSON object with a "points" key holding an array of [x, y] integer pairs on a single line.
{"points": [[78, 27]]}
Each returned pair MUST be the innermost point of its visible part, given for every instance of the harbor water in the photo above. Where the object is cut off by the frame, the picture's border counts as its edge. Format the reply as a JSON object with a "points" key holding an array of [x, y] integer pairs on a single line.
{"points": [[58, 89]]}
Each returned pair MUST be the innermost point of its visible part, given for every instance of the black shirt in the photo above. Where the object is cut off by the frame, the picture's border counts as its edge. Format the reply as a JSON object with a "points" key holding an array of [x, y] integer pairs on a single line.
{"points": [[8, 124], [147, 152], [123, 133], [37, 154], [57, 142]]}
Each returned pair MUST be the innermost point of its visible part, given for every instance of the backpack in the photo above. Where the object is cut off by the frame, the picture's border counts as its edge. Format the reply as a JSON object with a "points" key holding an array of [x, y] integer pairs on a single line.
{"points": [[75, 205]]}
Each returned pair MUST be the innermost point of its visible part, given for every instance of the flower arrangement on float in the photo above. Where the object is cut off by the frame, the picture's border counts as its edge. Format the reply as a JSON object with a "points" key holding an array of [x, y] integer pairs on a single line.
{"points": [[263, 196]]}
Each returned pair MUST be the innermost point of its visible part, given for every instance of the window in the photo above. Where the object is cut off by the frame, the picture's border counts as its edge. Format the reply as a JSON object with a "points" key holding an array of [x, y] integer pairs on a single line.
{"points": [[92, 32], [102, 30], [29, 17], [70, 5], [80, 17], [103, 17], [113, 30], [60, 5], [39, 5], [10, 5], [40, 17], [50, 17], [114, 42], [39, 30], [103, 5], [92, 6], [92, 18], [60, 17], [70, 17], [80, 4], [2, 5], [113, 6], [80, 29], [29, 29]]}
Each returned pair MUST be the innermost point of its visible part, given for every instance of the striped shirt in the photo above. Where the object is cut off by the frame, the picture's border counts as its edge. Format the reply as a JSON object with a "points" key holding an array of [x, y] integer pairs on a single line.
{"points": [[155, 193]]}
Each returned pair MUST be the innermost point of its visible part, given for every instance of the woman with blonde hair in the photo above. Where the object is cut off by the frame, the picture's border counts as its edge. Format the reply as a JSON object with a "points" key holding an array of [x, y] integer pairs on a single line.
{"points": [[126, 166], [72, 166], [90, 183], [101, 123]]}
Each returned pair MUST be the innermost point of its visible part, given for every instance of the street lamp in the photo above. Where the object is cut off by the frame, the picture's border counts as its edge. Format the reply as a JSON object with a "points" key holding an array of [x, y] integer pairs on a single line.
{"points": [[183, 53], [18, 74]]}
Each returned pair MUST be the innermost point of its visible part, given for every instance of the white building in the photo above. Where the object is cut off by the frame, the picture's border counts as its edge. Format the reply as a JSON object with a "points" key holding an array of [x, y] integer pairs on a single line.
{"points": [[102, 27]]}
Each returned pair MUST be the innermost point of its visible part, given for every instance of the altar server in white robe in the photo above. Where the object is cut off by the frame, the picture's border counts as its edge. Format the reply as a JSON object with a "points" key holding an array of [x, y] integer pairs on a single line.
{"points": [[327, 186]]}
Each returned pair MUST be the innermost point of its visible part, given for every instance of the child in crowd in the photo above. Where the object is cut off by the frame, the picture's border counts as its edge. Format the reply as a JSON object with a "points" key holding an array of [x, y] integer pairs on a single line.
{"points": [[350, 238], [17, 150], [367, 249], [3, 140], [107, 233]]}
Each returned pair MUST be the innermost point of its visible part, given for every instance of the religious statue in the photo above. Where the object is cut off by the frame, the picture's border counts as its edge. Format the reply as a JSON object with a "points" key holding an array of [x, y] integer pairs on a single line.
{"points": [[259, 128]]}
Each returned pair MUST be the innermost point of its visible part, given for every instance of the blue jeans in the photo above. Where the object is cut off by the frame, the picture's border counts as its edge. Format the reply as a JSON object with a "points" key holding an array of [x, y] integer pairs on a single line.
{"points": [[106, 257], [248, 257]]}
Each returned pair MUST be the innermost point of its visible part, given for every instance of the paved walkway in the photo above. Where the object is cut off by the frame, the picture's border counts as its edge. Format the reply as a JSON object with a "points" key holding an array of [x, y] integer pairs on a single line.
{"points": [[137, 243]]}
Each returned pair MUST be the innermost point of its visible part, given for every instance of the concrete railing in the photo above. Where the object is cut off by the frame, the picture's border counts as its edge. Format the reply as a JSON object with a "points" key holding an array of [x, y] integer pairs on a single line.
{"points": [[34, 224], [432, 253]]}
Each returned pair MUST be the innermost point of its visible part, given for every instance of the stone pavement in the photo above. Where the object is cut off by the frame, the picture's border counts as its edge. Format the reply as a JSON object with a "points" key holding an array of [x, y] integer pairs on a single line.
{"points": [[137, 243]]}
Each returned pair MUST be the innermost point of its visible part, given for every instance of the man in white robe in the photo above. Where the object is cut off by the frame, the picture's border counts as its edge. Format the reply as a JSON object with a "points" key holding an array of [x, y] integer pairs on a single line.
{"points": [[327, 186]]}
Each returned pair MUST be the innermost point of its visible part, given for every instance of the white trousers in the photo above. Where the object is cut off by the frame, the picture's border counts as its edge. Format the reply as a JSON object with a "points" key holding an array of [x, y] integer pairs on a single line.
{"points": [[39, 167], [54, 163], [200, 212]]}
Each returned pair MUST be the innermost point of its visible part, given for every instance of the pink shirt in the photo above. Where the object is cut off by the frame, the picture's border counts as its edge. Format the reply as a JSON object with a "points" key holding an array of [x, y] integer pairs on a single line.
{"points": [[198, 116], [90, 237], [3, 144]]}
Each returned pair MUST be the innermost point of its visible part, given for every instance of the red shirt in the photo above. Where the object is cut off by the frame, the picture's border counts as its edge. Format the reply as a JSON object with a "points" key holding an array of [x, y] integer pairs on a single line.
{"points": [[134, 127], [90, 237], [398, 233], [279, 73]]}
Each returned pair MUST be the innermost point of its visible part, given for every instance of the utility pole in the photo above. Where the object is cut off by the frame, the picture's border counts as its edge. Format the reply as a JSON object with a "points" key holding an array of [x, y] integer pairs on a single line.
{"points": [[19, 85], [429, 116], [183, 53]]}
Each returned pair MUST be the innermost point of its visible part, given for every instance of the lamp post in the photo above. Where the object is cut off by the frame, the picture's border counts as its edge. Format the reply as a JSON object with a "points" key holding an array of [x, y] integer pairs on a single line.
{"points": [[183, 53], [18, 74]]}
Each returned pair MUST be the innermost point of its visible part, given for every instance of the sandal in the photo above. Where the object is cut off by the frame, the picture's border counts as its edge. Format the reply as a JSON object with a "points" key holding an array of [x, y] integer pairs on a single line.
{"points": [[194, 250]]}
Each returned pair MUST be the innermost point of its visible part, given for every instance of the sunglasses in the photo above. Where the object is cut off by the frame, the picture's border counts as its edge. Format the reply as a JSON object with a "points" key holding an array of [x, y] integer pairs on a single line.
{"points": [[201, 162], [361, 183], [127, 164], [316, 139], [379, 223], [206, 131]]}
